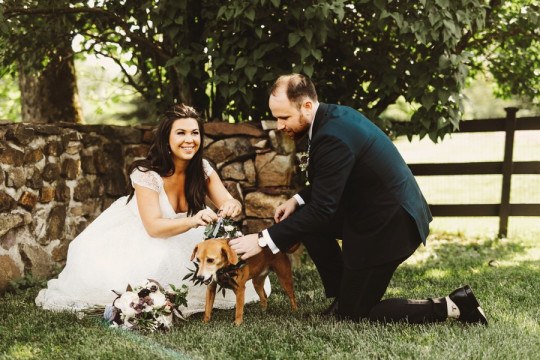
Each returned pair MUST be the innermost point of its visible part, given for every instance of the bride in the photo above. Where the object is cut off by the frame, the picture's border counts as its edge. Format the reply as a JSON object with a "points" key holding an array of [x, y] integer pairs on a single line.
{"points": [[151, 233]]}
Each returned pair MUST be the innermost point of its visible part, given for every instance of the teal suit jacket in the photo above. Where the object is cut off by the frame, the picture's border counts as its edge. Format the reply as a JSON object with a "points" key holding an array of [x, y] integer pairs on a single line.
{"points": [[359, 180]]}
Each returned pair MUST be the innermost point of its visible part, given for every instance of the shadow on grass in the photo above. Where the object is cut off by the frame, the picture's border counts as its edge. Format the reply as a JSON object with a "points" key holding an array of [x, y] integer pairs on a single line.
{"points": [[494, 268], [504, 274]]}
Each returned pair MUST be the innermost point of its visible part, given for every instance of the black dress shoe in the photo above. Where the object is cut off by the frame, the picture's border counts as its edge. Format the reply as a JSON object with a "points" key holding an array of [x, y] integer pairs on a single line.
{"points": [[469, 308], [332, 309]]}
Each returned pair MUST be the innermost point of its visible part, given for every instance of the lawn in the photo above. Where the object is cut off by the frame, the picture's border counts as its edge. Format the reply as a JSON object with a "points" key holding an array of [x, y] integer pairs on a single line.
{"points": [[505, 275]]}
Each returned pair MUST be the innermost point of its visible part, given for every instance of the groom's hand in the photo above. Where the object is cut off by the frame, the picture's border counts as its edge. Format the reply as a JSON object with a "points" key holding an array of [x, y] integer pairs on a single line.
{"points": [[284, 210], [246, 246]]}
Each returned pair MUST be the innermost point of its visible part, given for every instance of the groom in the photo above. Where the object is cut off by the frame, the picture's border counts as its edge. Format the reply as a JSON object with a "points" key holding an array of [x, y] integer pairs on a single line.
{"points": [[361, 191]]}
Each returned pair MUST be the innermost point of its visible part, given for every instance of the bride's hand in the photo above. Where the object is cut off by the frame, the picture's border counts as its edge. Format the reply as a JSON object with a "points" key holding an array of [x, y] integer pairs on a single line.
{"points": [[230, 208], [204, 217]]}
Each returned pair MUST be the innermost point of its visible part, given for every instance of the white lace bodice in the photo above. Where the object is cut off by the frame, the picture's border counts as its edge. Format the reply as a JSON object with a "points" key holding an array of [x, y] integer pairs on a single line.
{"points": [[153, 181]]}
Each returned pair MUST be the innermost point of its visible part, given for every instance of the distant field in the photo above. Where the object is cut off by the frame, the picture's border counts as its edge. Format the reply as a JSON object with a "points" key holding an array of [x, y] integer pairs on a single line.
{"points": [[474, 189]]}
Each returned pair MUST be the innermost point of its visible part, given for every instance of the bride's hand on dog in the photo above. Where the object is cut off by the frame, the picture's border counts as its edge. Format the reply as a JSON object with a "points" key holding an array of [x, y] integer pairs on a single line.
{"points": [[284, 210], [204, 217], [246, 246], [230, 208]]}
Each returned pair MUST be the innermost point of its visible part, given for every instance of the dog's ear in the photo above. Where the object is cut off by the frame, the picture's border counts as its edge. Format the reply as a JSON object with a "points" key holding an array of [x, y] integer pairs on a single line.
{"points": [[194, 252], [229, 253]]}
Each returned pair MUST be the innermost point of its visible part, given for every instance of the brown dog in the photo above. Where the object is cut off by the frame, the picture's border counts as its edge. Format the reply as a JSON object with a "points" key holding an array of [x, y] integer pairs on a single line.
{"points": [[215, 254]]}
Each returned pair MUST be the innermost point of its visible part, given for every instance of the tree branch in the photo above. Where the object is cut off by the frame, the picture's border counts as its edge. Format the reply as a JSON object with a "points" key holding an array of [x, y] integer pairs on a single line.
{"points": [[14, 12]]}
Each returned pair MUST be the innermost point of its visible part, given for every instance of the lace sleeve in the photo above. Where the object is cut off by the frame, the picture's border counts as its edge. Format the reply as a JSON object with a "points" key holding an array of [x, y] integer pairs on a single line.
{"points": [[208, 169], [148, 179]]}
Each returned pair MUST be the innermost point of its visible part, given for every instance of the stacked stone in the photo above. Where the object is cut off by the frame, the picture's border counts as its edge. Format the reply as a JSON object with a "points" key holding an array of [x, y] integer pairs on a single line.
{"points": [[257, 166], [56, 178]]}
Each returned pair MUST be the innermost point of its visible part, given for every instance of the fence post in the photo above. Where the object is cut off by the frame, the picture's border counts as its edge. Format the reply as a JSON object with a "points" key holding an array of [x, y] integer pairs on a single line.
{"points": [[504, 209]]}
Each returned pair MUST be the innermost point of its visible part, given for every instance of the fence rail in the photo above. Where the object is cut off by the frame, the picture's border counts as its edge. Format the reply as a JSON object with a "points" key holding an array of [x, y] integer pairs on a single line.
{"points": [[510, 124]]}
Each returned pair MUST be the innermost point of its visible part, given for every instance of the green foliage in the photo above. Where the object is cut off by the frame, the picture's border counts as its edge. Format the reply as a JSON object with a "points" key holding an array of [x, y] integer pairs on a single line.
{"points": [[10, 106], [221, 57], [28, 281], [511, 52]]}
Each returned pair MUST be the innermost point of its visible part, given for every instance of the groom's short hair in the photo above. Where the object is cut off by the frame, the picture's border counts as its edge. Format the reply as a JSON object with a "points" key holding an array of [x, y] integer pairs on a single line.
{"points": [[297, 87]]}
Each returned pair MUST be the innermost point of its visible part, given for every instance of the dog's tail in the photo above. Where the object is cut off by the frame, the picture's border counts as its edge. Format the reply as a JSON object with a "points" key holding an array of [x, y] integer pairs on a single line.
{"points": [[293, 248]]}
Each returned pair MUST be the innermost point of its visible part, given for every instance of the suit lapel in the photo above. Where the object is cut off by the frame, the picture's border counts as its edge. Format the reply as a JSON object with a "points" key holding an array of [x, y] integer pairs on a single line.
{"points": [[318, 121], [320, 118]]}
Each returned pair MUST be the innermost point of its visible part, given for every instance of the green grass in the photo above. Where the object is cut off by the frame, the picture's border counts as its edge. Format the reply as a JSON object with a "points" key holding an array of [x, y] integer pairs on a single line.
{"points": [[505, 275]]}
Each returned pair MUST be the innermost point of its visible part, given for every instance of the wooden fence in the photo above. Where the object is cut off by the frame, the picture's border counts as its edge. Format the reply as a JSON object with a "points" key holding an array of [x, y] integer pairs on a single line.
{"points": [[507, 168]]}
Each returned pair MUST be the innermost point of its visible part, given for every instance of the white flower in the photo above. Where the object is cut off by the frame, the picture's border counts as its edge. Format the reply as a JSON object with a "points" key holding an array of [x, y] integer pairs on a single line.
{"points": [[166, 320], [158, 298], [151, 284], [228, 228], [125, 304]]}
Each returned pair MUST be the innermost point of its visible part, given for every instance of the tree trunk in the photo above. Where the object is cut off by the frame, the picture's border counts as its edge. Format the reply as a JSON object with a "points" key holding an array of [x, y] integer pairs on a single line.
{"points": [[51, 95]]}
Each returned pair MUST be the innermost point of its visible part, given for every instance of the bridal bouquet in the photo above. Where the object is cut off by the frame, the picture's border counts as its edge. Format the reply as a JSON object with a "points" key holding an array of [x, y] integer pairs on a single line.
{"points": [[147, 307]]}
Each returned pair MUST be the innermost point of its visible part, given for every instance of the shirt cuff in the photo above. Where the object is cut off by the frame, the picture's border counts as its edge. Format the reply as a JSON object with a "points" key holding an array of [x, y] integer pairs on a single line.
{"points": [[299, 199], [269, 242]]}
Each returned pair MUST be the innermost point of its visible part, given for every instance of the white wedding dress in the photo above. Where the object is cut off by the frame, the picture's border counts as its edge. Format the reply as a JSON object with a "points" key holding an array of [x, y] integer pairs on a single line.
{"points": [[115, 250]]}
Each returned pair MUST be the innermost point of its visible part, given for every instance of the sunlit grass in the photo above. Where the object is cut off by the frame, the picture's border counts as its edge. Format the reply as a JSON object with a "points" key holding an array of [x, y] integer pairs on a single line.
{"points": [[504, 273]]}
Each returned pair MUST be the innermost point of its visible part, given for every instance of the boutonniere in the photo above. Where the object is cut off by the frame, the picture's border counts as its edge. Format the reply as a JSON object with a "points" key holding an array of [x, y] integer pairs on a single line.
{"points": [[303, 159], [303, 162]]}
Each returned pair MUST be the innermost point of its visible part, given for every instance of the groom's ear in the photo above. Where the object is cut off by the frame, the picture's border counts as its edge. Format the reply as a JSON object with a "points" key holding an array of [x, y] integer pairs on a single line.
{"points": [[229, 253], [194, 252]]}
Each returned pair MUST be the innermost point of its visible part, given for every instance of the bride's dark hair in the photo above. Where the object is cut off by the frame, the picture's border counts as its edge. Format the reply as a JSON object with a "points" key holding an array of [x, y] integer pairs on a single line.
{"points": [[159, 158]]}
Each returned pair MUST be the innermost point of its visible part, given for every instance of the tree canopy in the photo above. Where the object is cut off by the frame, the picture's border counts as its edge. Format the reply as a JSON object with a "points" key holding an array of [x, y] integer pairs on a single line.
{"points": [[221, 57]]}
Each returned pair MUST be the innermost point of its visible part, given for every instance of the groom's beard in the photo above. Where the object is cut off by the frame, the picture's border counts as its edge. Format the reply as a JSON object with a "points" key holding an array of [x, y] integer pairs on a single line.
{"points": [[302, 130]]}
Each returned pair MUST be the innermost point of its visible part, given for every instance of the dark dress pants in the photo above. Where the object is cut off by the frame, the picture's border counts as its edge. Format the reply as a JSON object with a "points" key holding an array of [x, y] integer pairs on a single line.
{"points": [[359, 291]]}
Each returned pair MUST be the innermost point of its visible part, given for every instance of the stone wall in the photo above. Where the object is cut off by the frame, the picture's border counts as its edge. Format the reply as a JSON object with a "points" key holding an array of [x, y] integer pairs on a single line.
{"points": [[56, 179]]}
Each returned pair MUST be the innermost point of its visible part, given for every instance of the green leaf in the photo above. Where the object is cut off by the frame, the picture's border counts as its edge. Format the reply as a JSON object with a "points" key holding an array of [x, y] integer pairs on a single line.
{"points": [[241, 62], [428, 100], [184, 68], [317, 54], [433, 17], [308, 69], [444, 62], [173, 61], [399, 18], [250, 72], [380, 4], [268, 77], [384, 15], [442, 3], [276, 3], [294, 38], [221, 11], [250, 14], [308, 35], [450, 25], [340, 12], [173, 31]]}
